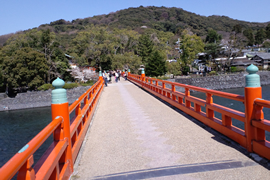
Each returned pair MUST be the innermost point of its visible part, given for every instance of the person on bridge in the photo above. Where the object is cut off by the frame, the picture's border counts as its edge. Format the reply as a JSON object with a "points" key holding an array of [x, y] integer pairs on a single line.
{"points": [[116, 76], [125, 75], [104, 75]]}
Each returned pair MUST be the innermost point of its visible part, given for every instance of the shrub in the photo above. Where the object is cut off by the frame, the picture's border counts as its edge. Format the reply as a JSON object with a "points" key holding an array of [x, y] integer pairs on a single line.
{"points": [[213, 73], [88, 83], [260, 68], [70, 85], [162, 77], [45, 87], [237, 69], [233, 69]]}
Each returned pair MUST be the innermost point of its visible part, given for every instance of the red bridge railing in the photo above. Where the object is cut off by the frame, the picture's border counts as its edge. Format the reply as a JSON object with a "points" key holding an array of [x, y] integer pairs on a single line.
{"points": [[252, 138], [57, 162]]}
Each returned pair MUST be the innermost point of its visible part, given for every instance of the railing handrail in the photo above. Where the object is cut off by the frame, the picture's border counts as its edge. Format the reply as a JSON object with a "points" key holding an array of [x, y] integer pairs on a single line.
{"points": [[204, 90], [17, 161], [262, 102], [77, 101], [253, 135], [47, 165]]}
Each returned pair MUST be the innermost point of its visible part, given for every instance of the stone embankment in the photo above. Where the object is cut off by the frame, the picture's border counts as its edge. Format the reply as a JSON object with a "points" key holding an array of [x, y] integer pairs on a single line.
{"points": [[33, 99], [223, 81]]}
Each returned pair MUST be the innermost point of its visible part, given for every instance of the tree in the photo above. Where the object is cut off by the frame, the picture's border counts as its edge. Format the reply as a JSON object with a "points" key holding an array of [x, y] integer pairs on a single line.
{"points": [[213, 36], [126, 61], [174, 68], [250, 36], [267, 31], [145, 48], [212, 50], [25, 68], [191, 45], [260, 36], [156, 65]]}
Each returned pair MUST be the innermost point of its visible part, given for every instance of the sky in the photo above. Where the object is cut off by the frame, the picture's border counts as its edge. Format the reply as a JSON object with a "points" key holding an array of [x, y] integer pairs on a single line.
{"points": [[17, 15]]}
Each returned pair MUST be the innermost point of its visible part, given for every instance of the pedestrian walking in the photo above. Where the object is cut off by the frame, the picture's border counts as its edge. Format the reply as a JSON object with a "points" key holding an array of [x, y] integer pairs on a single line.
{"points": [[116, 76], [125, 75], [104, 75]]}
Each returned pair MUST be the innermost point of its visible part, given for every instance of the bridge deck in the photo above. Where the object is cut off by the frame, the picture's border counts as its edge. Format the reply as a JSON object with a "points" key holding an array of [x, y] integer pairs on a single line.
{"points": [[136, 136]]}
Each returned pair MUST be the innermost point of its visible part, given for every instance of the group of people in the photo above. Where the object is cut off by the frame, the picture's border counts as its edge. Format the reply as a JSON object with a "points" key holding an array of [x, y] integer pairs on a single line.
{"points": [[109, 75]]}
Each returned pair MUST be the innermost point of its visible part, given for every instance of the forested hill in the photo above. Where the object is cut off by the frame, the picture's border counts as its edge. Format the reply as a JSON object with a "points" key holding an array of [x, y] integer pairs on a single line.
{"points": [[160, 18]]}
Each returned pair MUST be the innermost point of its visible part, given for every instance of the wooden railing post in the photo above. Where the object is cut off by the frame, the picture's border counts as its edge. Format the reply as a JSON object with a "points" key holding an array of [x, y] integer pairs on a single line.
{"points": [[142, 76], [253, 90], [173, 90], [128, 72], [60, 108], [100, 76], [27, 172], [209, 100], [187, 94]]}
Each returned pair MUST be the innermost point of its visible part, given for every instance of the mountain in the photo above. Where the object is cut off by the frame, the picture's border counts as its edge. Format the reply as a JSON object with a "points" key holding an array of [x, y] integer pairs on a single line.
{"points": [[160, 18]]}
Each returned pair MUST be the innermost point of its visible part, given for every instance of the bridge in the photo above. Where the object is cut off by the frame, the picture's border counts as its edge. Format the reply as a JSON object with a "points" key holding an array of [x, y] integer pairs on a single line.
{"points": [[144, 128]]}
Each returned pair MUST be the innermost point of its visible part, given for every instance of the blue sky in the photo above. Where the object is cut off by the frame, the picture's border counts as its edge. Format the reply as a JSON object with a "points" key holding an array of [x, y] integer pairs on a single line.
{"points": [[16, 15]]}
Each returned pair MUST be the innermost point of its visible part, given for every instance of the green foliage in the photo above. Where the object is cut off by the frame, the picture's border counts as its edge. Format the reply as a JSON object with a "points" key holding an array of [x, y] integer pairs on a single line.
{"points": [[45, 87], [126, 61], [185, 70], [70, 85], [88, 83], [25, 68], [233, 69], [213, 73], [266, 44], [260, 36], [250, 36], [191, 46], [213, 36], [156, 65], [145, 48], [237, 69], [212, 50], [174, 68], [162, 77], [267, 31]]}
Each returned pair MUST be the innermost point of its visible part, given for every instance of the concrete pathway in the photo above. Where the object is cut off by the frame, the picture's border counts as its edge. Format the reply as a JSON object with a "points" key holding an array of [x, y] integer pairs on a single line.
{"points": [[136, 136]]}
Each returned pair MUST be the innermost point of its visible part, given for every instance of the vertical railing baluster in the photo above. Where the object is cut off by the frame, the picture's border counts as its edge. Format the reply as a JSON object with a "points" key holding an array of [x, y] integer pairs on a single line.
{"points": [[187, 94], [26, 172], [173, 90], [209, 100], [226, 121]]}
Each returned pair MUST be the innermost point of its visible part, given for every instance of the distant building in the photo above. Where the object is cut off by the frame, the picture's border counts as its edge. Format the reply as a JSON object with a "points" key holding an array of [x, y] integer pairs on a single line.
{"points": [[263, 59]]}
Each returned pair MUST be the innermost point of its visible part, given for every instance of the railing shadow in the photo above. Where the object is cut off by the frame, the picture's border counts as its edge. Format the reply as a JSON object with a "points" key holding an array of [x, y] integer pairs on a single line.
{"points": [[177, 170]]}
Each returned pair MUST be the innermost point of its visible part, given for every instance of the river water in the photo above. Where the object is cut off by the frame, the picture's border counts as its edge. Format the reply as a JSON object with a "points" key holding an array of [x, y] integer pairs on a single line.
{"points": [[18, 127]]}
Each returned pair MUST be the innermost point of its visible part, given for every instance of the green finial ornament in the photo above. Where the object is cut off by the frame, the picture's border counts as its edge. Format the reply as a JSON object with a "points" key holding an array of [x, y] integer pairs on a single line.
{"points": [[143, 71], [59, 94], [128, 70], [252, 79], [100, 74]]}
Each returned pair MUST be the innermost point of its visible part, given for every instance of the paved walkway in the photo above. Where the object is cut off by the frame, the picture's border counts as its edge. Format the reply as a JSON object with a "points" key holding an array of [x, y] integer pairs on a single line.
{"points": [[136, 136]]}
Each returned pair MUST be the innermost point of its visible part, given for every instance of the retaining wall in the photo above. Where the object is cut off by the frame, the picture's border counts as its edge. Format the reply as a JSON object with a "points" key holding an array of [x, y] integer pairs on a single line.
{"points": [[33, 99], [223, 81]]}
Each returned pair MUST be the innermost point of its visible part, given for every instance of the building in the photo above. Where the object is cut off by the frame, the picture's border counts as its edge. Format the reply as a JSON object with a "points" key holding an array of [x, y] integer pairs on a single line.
{"points": [[263, 59]]}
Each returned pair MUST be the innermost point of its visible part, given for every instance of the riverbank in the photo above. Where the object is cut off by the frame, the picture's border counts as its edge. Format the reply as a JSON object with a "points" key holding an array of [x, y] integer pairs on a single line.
{"points": [[223, 81], [34, 99]]}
